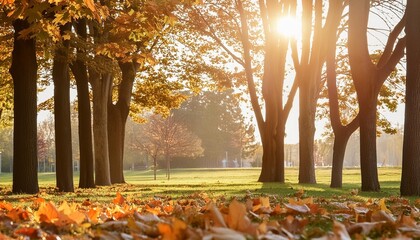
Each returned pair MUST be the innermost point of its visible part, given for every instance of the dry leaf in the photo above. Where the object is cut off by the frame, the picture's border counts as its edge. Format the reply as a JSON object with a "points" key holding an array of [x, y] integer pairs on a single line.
{"points": [[119, 199]]}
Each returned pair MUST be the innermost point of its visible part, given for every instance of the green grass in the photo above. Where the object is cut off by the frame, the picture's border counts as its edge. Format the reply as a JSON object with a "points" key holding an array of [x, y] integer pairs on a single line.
{"points": [[214, 182]]}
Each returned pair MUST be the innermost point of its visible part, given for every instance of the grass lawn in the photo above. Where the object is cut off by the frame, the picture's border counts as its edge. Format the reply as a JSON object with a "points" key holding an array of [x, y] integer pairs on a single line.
{"points": [[214, 182]]}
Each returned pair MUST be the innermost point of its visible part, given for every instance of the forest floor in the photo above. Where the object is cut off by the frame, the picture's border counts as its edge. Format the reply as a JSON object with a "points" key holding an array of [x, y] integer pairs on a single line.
{"points": [[212, 204]]}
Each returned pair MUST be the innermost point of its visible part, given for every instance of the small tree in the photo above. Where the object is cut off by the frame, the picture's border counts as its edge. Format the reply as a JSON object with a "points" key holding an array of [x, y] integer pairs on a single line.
{"points": [[166, 138]]}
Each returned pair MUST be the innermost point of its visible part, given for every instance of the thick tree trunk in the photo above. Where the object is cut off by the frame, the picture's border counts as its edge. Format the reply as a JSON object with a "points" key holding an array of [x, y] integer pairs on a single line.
{"points": [[116, 133], [101, 84], [339, 150], [24, 73], [368, 157], [268, 161], [307, 106], [80, 73], [117, 119], [410, 178], [63, 146]]}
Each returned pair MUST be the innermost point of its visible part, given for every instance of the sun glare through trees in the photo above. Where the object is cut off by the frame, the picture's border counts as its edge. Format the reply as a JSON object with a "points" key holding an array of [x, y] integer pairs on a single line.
{"points": [[288, 26]]}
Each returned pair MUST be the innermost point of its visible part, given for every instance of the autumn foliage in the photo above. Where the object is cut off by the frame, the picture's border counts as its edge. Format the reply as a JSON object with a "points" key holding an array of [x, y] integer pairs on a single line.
{"points": [[202, 217]]}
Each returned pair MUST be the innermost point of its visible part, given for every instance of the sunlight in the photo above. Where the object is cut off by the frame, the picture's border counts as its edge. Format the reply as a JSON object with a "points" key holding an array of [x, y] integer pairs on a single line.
{"points": [[288, 26]]}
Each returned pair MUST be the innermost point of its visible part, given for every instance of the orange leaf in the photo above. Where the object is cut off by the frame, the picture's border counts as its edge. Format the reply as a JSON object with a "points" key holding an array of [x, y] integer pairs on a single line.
{"points": [[47, 212], [6, 2], [174, 231], [237, 218], [165, 230], [119, 199], [90, 5], [93, 215], [16, 215], [6, 206], [32, 233]]}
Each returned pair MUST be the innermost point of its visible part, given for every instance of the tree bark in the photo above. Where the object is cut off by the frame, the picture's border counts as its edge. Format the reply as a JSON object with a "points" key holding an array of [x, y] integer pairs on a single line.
{"points": [[117, 118], [410, 178], [80, 73], [339, 150], [368, 156], [307, 106], [100, 87], [24, 73], [63, 144]]}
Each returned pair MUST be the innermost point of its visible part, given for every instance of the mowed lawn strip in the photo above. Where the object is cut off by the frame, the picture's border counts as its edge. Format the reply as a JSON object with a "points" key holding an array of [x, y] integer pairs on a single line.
{"points": [[236, 182]]}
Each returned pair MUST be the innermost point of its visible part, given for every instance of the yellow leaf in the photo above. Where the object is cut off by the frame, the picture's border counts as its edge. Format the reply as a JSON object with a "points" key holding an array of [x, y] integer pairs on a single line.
{"points": [[90, 5], [382, 205]]}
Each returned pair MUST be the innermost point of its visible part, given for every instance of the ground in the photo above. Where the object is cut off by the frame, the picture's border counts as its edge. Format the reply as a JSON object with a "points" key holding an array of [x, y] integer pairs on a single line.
{"points": [[212, 204]]}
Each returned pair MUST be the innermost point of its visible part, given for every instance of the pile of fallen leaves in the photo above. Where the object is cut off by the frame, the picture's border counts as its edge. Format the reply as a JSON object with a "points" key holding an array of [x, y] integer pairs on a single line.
{"points": [[202, 217]]}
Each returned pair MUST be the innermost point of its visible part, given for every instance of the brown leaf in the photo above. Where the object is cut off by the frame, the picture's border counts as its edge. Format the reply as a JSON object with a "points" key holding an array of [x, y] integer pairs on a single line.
{"points": [[217, 233], [297, 208], [340, 230], [381, 215], [216, 216]]}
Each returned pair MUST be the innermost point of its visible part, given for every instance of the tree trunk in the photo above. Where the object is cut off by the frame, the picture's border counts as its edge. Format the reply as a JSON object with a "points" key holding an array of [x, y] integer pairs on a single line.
{"points": [[116, 133], [339, 150], [368, 158], [63, 144], [80, 73], [117, 119], [154, 167], [307, 106], [24, 73], [100, 86], [410, 178], [168, 168]]}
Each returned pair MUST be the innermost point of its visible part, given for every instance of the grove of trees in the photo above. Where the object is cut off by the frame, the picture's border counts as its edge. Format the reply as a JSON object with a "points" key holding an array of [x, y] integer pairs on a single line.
{"points": [[141, 57]]}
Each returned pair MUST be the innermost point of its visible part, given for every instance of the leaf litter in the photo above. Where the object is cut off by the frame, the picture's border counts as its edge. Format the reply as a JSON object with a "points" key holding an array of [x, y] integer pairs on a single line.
{"points": [[199, 216]]}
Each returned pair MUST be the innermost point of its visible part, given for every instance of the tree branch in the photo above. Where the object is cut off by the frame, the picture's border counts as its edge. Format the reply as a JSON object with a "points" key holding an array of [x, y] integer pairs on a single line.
{"points": [[248, 69], [392, 38], [394, 59]]}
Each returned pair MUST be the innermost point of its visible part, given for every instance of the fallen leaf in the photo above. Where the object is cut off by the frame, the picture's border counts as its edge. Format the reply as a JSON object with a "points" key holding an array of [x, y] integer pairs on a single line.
{"points": [[297, 208], [218, 233], [119, 199]]}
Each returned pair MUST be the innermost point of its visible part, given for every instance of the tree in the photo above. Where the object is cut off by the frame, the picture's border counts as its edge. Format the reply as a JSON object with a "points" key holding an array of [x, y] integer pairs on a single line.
{"points": [[164, 137], [61, 78], [46, 137], [80, 73], [272, 127], [410, 178], [24, 73], [368, 78], [6, 83]]}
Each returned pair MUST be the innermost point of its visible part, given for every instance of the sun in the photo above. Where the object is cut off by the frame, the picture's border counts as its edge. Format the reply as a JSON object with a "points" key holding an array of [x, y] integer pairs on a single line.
{"points": [[288, 26]]}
